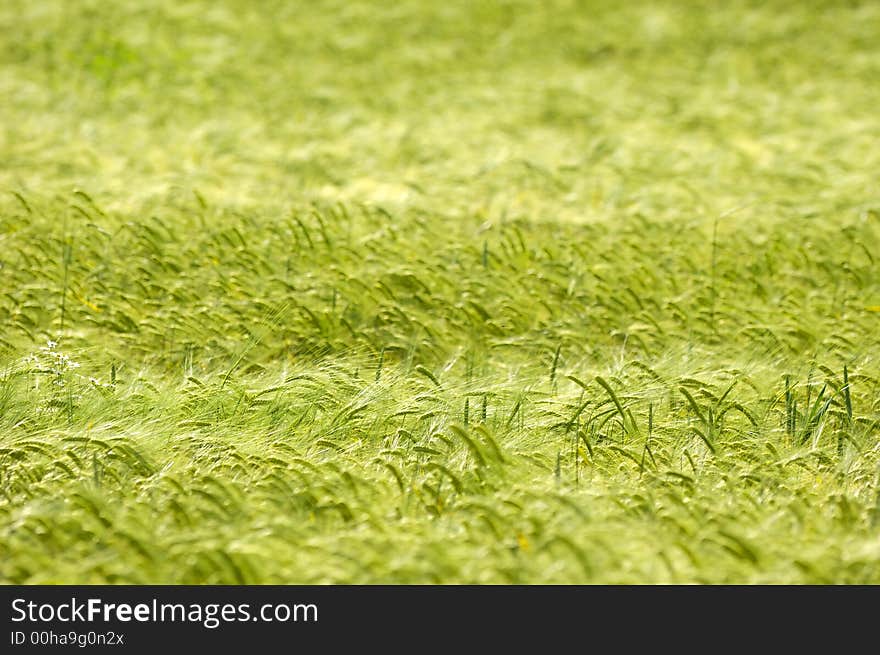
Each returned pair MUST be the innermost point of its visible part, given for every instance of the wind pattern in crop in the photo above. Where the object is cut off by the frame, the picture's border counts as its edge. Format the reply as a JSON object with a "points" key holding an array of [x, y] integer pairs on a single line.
{"points": [[334, 292]]}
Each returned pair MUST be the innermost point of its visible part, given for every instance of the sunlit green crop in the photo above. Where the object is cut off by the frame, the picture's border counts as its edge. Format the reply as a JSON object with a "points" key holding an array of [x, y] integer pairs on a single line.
{"points": [[453, 292]]}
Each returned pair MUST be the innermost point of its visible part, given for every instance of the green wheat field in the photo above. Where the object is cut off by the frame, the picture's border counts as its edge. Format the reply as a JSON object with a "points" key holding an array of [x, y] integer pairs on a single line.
{"points": [[453, 292]]}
